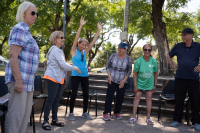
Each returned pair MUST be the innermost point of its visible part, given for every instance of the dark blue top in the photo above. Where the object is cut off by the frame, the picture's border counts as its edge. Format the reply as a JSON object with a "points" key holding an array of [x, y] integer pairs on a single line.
{"points": [[188, 59]]}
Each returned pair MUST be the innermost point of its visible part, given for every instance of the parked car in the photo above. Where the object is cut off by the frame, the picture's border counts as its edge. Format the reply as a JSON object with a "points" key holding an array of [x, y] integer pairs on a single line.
{"points": [[102, 70]]}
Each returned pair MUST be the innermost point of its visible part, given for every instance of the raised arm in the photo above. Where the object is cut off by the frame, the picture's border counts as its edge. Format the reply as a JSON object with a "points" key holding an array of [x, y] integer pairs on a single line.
{"points": [[99, 26], [82, 22]]}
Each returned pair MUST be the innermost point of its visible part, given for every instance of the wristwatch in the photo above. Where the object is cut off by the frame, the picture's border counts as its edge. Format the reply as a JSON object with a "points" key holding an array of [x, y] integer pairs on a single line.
{"points": [[156, 85]]}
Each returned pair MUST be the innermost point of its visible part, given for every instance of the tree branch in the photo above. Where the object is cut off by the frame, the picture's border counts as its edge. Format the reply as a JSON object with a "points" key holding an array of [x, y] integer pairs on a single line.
{"points": [[109, 35], [68, 18], [4, 40], [129, 52]]}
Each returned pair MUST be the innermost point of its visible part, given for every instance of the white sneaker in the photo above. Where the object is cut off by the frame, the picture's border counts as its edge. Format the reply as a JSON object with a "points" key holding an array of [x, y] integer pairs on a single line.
{"points": [[86, 116], [71, 117]]}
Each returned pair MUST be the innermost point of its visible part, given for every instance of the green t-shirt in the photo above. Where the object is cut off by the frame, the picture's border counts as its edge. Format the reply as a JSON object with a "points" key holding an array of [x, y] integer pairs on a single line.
{"points": [[145, 69]]}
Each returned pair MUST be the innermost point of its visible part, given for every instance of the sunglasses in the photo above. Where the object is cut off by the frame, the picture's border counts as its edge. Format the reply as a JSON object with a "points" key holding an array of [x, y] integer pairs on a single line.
{"points": [[82, 56], [33, 13], [149, 50], [61, 37]]}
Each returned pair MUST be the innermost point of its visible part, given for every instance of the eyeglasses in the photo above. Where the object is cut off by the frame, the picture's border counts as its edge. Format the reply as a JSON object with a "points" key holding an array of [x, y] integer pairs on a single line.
{"points": [[61, 37], [184, 34], [82, 56], [33, 13], [149, 50]]}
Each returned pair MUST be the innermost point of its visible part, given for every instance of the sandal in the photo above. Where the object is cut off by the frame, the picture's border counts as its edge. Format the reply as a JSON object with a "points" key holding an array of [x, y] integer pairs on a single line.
{"points": [[132, 120], [150, 122], [46, 127], [60, 124]]}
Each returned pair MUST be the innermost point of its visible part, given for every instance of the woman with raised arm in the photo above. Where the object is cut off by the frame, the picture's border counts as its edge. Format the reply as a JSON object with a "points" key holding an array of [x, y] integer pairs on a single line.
{"points": [[79, 50], [145, 78]]}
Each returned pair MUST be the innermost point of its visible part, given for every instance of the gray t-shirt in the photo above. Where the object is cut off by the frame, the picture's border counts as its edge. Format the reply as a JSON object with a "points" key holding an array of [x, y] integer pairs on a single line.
{"points": [[119, 68]]}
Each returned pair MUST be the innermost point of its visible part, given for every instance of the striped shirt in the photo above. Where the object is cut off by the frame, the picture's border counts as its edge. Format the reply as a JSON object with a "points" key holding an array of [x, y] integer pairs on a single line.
{"points": [[28, 58]]}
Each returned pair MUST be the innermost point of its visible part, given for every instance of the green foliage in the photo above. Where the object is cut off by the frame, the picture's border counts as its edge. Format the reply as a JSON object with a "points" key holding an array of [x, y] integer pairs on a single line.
{"points": [[136, 53], [109, 12], [8, 9], [176, 23], [5, 50], [173, 5], [94, 12], [196, 21], [103, 57]]}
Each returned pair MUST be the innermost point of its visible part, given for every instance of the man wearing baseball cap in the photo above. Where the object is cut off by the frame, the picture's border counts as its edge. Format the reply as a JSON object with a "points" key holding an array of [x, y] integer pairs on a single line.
{"points": [[187, 77]]}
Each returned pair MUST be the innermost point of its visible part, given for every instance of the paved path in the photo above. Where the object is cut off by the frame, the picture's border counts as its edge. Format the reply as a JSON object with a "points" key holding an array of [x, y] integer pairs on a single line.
{"points": [[97, 125]]}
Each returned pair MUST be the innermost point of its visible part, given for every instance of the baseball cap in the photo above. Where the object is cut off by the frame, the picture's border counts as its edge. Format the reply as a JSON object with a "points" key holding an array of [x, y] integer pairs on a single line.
{"points": [[123, 45], [188, 31]]}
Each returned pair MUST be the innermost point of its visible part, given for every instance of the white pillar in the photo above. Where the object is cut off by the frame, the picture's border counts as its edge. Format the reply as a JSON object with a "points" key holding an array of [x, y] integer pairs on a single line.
{"points": [[126, 17]]}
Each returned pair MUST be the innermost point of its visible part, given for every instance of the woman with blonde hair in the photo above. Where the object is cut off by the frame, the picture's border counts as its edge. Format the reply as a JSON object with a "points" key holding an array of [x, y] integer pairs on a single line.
{"points": [[145, 78], [21, 69], [79, 50], [54, 76]]}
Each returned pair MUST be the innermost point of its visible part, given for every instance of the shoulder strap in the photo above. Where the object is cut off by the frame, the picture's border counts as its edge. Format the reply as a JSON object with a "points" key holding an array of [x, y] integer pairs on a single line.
{"points": [[167, 81]]}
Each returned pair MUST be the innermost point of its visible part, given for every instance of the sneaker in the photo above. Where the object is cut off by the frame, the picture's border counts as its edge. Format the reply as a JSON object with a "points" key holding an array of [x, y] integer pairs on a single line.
{"points": [[106, 117], [71, 117], [150, 122], [196, 126], [132, 120], [86, 116], [117, 116], [175, 124]]}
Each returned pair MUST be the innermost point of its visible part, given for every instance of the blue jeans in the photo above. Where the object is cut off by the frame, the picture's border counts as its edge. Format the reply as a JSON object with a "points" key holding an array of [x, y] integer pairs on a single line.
{"points": [[54, 94]]}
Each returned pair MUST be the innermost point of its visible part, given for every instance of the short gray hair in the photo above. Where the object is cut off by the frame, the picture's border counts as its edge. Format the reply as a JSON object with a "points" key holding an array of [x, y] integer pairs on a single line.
{"points": [[54, 35], [22, 9]]}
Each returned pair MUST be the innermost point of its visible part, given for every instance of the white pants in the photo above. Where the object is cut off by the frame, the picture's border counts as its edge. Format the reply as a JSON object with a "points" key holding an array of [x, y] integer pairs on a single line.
{"points": [[19, 110]]}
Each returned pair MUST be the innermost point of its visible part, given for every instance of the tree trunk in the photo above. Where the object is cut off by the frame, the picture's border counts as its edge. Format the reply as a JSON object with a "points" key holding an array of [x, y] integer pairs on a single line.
{"points": [[1, 45], [90, 58], [159, 33], [1, 49]]}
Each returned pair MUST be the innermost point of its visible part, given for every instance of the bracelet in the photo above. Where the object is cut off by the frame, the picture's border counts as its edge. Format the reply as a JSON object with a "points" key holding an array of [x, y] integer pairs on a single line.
{"points": [[156, 85]]}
